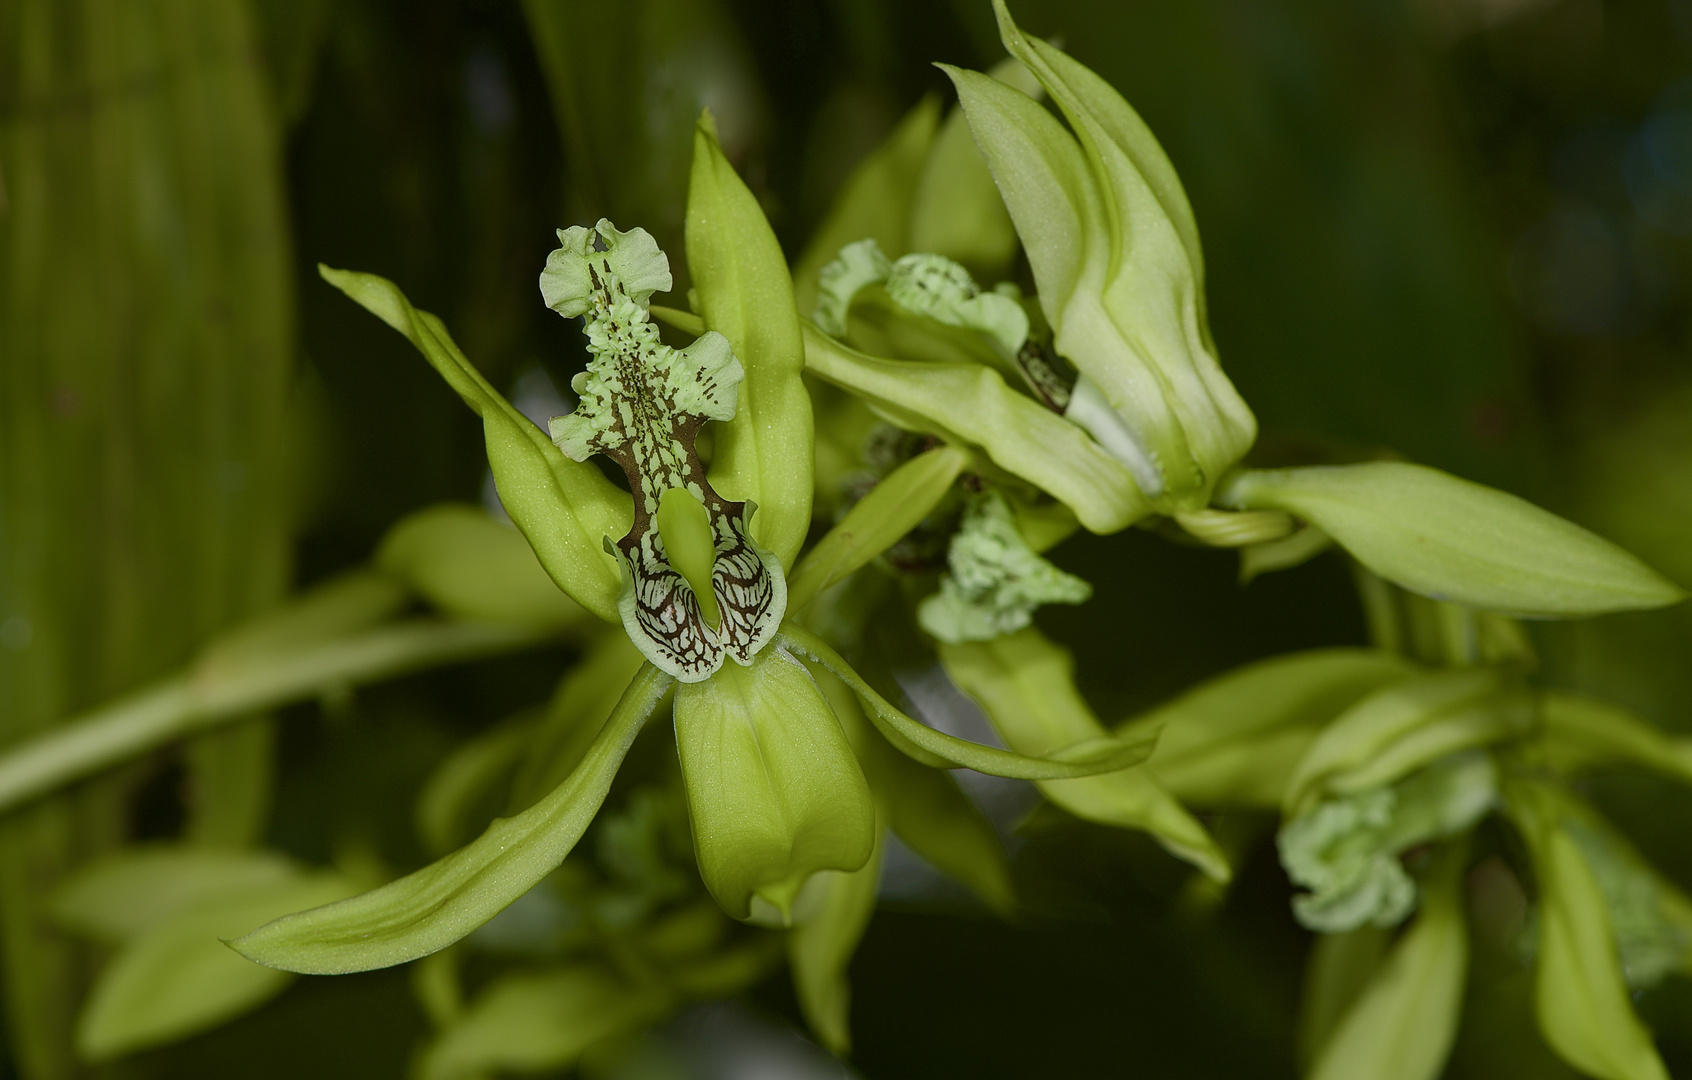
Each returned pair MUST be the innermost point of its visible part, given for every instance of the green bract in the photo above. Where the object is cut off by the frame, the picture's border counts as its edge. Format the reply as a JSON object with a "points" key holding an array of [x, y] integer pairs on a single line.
{"points": [[1115, 254]]}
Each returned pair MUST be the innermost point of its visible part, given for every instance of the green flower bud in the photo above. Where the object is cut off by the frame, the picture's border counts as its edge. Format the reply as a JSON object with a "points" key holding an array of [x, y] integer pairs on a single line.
{"points": [[1115, 254]]}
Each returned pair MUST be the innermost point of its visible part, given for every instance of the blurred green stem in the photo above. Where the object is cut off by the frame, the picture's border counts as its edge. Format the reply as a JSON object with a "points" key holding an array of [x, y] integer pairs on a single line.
{"points": [[207, 696]]}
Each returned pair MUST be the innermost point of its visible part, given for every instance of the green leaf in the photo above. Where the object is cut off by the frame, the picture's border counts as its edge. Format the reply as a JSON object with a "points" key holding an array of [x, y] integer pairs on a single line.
{"points": [[873, 203], [460, 783], [1089, 754], [1236, 739], [564, 508], [956, 210], [1582, 732], [472, 567], [542, 1021], [1453, 540], [895, 506], [773, 790], [177, 977], [925, 806], [836, 909], [1399, 729], [431, 908], [970, 404], [1580, 997], [744, 293], [1026, 686], [121, 895], [1402, 1025]]}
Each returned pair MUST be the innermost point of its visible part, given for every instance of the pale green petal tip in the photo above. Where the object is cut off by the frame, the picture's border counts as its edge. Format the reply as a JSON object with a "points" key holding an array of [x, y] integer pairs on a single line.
{"points": [[1345, 850], [935, 286], [859, 265], [994, 581], [634, 256]]}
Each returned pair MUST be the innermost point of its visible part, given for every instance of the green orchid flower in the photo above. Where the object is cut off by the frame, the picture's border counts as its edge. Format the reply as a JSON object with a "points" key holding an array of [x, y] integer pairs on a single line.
{"points": [[694, 563], [1119, 272]]}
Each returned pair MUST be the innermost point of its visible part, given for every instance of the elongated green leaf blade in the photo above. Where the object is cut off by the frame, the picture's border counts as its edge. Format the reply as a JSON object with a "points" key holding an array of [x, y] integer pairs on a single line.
{"points": [[122, 895], [565, 508], [433, 907], [1450, 539], [744, 293]]}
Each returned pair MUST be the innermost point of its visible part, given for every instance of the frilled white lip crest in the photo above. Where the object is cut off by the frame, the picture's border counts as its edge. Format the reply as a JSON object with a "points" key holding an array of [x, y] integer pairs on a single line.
{"points": [[642, 404]]}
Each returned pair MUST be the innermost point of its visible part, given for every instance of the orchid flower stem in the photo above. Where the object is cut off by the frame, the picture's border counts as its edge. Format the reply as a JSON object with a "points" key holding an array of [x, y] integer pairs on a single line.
{"points": [[207, 695]]}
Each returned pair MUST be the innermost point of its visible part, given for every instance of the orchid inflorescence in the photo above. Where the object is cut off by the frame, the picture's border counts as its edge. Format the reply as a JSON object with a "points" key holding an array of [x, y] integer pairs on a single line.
{"points": [[1088, 394]]}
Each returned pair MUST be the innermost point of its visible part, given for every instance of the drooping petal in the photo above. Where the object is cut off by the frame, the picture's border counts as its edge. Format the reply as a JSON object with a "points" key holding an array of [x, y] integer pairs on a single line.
{"points": [[773, 790]]}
